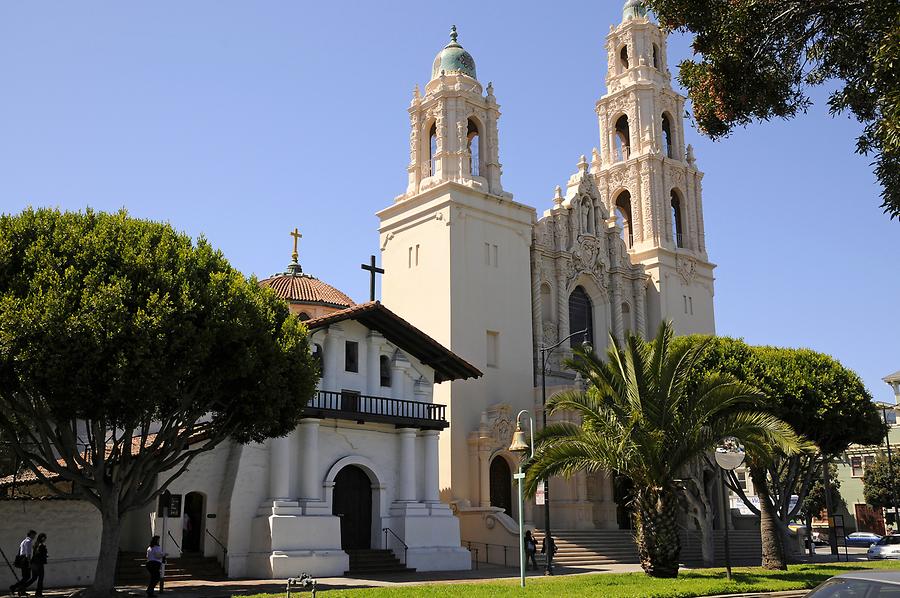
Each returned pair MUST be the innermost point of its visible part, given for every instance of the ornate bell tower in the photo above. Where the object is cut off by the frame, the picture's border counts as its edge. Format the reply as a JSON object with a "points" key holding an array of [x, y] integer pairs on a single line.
{"points": [[455, 248], [649, 178]]}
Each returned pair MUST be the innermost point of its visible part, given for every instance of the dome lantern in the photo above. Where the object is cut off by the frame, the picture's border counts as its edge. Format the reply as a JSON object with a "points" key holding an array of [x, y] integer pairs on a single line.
{"points": [[453, 59]]}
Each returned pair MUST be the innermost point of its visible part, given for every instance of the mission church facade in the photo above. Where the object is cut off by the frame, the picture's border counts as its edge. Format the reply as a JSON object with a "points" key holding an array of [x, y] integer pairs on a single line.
{"points": [[404, 448]]}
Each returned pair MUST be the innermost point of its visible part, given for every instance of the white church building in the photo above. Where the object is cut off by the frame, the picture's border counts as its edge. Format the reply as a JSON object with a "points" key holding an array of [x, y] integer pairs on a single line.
{"points": [[403, 452]]}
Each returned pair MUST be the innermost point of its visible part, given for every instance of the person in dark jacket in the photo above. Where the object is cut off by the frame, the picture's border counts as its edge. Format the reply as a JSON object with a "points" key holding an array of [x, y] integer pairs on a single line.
{"points": [[530, 550], [23, 562], [548, 547], [37, 563]]}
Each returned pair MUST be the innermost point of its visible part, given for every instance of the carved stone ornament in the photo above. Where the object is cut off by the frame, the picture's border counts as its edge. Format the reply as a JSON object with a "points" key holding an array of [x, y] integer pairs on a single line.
{"points": [[497, 426], [549, 333], [686, 267]]}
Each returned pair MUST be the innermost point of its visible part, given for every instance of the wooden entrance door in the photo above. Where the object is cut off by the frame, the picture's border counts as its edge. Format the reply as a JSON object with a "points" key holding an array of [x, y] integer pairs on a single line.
{"points": [[501, 485], [352, 502]]}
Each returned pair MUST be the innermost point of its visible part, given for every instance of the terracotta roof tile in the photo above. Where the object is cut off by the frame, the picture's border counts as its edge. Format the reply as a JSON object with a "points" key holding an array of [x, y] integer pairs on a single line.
{"points": [[307, 289]]}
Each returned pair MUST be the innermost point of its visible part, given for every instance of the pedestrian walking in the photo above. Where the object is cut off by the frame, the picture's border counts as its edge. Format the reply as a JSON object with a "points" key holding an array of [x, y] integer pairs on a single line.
{"points": [[548, 548], [530, 550], [155, 558], [23, 563], [38, 561]]}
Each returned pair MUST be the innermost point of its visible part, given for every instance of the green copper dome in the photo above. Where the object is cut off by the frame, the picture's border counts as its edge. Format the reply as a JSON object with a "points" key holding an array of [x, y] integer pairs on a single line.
{"points": [[453, 60], [633, 9]]}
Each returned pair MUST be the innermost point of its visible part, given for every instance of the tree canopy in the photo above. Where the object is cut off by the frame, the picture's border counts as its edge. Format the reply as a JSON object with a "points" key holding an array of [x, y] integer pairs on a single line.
{"points": [[126, 350], [757, 60], [880, 486]]}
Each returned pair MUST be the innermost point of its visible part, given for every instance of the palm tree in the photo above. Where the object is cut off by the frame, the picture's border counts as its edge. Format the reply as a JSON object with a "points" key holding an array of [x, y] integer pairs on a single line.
{"points": [[639, 419]]}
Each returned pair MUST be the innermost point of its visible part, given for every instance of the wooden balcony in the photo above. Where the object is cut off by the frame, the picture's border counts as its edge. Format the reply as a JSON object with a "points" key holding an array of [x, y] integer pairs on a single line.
{"points": [[362, 409]]}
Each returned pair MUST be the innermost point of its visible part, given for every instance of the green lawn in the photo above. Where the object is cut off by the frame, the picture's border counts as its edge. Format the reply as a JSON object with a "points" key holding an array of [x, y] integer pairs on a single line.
{"points": [[704, 582]]}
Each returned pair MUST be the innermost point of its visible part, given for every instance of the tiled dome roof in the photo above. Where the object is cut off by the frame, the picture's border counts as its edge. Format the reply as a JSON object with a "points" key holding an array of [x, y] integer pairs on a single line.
{"points": [[453, 60], [294, 286]]}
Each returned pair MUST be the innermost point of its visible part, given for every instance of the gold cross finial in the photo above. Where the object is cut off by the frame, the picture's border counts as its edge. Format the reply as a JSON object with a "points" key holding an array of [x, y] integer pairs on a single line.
{"points": [[297, 236]]}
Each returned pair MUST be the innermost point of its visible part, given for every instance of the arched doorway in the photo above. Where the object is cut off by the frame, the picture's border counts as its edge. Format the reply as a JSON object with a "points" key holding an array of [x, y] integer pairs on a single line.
{"points": [[352, 502], [192, 523], [501, 485]]}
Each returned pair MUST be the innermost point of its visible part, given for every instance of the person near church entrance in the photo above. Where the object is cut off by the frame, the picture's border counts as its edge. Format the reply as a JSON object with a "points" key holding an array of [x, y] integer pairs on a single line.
{"points": [[548, 548], [155, 559], [38, 561], [530, 551], [23, 563]]}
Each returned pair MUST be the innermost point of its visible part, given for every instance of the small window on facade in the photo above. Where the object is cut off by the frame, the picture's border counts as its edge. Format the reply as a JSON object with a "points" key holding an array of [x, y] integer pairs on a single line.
{"points": [[623, 217], [655, 57], [626, 318], [351, 356], [493, 348], [303, 316], [868, 461], [622, 139], [474, 149], [623, 56], [856, 467], [742, 479], [432, 148], [546, 303], [581, 317], [667, 137], [385, 370], [677, 229], [318, 357]]}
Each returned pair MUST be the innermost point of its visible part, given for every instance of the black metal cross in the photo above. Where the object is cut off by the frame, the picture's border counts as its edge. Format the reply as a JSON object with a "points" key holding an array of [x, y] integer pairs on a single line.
{"points": [[373, 270]]}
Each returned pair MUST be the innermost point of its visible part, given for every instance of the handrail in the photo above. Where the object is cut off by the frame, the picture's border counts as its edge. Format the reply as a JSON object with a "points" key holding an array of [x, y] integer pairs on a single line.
{"points": [[178, 546], [357, 403], [224, 548], [399, 539], [487, 550]]}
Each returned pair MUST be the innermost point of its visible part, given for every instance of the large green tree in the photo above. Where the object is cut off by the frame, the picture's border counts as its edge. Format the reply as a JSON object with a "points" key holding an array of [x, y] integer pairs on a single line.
{"points": [[126, 350], [757, 59], [880, 486], [823, 401], [640, 418]]}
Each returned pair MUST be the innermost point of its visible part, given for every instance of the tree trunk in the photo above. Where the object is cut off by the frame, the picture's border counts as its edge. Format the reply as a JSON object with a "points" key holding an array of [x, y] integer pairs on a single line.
{"points": [[769, 532], [657, 532], [105, 574]]}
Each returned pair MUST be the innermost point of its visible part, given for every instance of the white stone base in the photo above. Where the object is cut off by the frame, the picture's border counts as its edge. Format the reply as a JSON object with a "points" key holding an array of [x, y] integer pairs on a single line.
{"points": [[318, 563], [441, 558]]}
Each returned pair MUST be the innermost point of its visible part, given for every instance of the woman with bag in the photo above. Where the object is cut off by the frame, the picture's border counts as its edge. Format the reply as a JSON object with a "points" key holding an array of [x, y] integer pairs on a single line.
{"points": [[530, 550], [155, 558], [38, 560]]}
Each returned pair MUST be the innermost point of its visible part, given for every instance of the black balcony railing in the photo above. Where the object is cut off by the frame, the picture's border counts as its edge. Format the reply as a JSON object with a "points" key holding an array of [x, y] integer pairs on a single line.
{"points": [[363, 408]]}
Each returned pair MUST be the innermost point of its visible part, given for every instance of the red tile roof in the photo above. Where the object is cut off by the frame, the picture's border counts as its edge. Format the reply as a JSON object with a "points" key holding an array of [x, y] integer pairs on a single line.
{"points": [[304, 288]]}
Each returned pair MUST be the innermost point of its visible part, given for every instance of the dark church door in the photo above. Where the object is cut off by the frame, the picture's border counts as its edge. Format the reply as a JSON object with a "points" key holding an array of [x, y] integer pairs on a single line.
{"points": [[192, 523], [352, 502], [501, 485]]}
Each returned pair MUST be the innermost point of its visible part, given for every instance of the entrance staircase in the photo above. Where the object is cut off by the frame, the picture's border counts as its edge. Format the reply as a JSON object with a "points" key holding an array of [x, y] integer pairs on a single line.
{"points": [[130, 570], [374, 562], [584, 548]]}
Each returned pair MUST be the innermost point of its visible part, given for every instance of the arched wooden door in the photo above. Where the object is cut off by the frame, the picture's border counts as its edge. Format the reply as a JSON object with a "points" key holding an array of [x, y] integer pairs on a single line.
{"points": [[352, 502], [501, 485]]}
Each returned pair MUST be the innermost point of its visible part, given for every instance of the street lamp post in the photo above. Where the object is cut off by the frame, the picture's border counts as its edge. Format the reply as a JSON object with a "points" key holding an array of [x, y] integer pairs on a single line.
{"points": [[520, 446], [729, 456], [545, 353]]}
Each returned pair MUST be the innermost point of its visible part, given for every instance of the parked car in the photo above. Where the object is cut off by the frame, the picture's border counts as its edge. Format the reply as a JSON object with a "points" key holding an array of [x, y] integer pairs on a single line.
{"points": [[862, 539], [860, 584], [886, 548]]}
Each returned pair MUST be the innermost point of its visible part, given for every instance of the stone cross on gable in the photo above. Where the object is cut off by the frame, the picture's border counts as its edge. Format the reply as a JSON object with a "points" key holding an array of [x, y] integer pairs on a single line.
{"points": [[373, 270]]}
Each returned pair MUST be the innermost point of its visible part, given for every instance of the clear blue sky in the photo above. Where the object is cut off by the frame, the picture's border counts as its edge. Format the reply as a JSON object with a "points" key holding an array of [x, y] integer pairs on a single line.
{"points": [[241, 120]]}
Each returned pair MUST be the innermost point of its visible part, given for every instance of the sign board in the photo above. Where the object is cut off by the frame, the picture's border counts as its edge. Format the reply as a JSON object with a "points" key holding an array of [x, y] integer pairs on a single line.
{"points": [[174, 506], [743, 509], [539, 495]]}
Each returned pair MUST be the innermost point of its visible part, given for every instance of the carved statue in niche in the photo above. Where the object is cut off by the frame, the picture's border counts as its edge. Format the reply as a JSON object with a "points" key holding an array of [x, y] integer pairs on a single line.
{"points": [[586, 216]]}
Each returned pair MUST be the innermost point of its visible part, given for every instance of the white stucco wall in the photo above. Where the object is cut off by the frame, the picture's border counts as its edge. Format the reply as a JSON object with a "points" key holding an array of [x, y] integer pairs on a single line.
{"points": [[73, 538]]}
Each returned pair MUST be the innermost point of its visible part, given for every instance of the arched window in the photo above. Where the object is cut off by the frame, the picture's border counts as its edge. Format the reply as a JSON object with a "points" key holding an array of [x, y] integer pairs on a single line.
{"points": [[623, 57], [318, 356], [623, 217], [667, 136], [581, 317], [677, 228], [385, 370], [303, 316], [627, 324], [473, 147], [623, 139], [546, 303], [432, 148], [501, 485], [655, 57]]}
